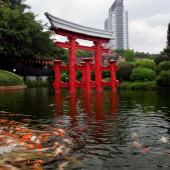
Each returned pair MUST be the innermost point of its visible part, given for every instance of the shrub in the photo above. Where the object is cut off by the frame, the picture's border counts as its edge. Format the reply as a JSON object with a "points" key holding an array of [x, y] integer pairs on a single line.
{"points": [[159, 59], [10, 79], [164, 78], [164, 65], [142, 74], [63, 77], [124, 73], [125, 63], [145, 63], [106, 73], [36, 83], [150, 85]]}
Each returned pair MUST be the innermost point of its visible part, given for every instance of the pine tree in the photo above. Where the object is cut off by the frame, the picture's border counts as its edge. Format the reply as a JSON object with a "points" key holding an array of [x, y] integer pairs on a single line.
{"points": [[168, 35]]}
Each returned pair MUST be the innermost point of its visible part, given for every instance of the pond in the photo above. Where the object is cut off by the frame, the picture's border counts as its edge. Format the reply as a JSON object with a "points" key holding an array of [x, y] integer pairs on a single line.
{"points": [[85, 131]]}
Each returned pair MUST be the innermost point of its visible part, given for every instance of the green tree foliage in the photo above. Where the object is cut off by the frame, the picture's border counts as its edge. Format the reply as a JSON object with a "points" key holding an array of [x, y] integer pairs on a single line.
{"points": [[145, 63], [166, 51], [21, 36], [164, 65], [168, 35], [83, 53], [120, 52], [142, 55], [122, 63], [142, 74], [124, 73], [164, 78], [129, 55], [161, 58]]}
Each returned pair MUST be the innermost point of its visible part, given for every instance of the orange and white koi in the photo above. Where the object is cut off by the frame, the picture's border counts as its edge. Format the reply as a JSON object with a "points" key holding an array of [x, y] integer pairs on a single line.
{"points": [[136, 144], [8, 167], [62, 165]]}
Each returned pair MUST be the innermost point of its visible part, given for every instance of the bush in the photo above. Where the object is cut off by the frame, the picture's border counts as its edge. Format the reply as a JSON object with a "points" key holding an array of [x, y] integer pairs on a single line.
{"points": [[150, 85], [10, 79], [142, 74], [36, 83], [164, 78], [145, 63], [124, 73], [106, 73], [125, 63], [159, 59], [164, 65]]}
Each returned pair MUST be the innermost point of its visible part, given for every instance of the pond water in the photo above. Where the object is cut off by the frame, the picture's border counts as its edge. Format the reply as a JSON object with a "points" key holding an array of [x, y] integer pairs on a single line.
{"points": [[98, 130]]}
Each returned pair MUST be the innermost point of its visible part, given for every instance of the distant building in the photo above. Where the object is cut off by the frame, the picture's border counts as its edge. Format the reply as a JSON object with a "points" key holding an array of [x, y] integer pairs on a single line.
{"points": [[117, 21]]}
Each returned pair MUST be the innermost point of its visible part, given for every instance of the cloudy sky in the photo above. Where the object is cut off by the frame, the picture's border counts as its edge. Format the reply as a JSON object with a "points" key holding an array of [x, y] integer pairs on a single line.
{"points": [[148, 19]]}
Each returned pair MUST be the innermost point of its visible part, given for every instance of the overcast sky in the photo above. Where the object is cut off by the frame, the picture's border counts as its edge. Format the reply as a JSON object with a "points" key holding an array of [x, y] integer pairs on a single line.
{"points": [[148, 19]]}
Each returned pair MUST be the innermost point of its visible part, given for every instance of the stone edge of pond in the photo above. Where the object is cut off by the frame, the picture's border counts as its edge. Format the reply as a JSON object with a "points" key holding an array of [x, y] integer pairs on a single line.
{"points": [[2, 88]]}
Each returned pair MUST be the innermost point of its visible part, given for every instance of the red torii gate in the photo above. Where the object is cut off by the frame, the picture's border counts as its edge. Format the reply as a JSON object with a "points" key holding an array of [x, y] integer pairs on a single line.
{"points": [[72, 32]]}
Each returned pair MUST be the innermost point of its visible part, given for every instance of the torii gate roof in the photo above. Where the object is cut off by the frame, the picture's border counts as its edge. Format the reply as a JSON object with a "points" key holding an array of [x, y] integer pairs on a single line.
{"points": [[58, 23]]}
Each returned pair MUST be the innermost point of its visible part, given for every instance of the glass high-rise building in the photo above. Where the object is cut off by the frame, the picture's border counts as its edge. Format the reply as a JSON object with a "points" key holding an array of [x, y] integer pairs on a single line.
{"points": [[117, 21]]}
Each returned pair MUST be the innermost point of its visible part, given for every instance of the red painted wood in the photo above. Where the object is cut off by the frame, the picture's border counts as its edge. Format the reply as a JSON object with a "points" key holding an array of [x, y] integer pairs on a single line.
{"points": [[72, 62], [57, 74], [98, 76]]}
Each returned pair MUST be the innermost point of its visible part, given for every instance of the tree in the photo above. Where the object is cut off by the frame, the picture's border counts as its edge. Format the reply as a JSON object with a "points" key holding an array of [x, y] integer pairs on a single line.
{"points": [[21, 36], [166, 51], [129, 55], [168, 35]]}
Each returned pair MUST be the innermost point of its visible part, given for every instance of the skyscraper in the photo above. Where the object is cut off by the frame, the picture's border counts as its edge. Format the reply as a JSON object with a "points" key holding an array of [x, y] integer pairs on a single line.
{"points": [[117, 21]]}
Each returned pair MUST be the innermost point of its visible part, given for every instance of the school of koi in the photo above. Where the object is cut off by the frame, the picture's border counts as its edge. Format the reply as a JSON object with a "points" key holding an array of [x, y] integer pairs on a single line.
{"points": [[24, 148]]}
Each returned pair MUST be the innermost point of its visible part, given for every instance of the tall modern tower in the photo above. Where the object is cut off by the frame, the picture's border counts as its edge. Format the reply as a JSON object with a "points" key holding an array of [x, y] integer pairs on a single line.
{"points": [[117, 21]]}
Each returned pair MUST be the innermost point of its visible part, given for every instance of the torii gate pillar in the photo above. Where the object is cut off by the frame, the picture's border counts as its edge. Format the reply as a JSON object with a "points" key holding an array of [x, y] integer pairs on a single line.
{"points": [[72, 62], [98, 76]]}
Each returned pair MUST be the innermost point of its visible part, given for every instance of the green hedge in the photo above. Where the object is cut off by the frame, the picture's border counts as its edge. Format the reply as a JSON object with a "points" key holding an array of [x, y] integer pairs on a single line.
{"points": [[159, 59], [150, 85], [142, 74], [164, 78], [36, 83], [122, 63], [124, 73], [164, 65], [10, 79], [145, 63]]}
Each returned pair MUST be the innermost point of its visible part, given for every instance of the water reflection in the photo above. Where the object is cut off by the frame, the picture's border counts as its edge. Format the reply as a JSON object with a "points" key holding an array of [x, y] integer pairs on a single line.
{"points": [[87, 104], [101, 124]]}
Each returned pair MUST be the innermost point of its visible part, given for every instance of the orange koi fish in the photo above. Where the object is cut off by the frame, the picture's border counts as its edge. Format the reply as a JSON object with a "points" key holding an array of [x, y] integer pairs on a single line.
{"points": [[48, 127], [39, 146], [136, 144], [145, 149], [37, 167], [31, 161]]}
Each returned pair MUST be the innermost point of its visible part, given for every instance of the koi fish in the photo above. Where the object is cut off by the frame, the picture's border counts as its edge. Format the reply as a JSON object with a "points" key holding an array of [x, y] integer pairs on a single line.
{"points": [[59, 150], [145, 149], [164, 140], [134, 135], [8, 167], [136, 144], [31, 161], [37, 167], [62, 165], [48, 127], [168, 151]]}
